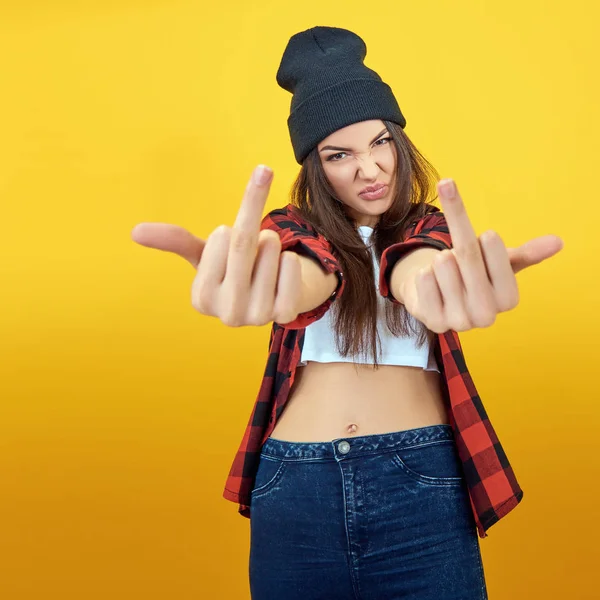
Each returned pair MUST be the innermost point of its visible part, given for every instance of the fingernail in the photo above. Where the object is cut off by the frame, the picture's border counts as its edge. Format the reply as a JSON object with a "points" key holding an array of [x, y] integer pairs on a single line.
{"points": [[261, 174], [447, 189]]}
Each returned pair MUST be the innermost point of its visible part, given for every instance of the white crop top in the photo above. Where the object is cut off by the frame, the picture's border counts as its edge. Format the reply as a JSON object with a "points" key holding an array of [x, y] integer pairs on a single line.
{"points": [[319, 338]]}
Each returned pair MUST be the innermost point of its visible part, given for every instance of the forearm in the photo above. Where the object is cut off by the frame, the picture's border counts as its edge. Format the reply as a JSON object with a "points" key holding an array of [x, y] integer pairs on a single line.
{"points": [[406, 269], [317, 284]]}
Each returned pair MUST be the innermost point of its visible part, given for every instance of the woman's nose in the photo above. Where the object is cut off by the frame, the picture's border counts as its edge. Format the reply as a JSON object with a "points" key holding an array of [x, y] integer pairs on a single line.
{"points": [[368, 166]]}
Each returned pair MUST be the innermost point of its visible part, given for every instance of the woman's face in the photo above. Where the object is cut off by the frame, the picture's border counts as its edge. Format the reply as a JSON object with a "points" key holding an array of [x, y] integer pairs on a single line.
{"points": [[357, 156]]}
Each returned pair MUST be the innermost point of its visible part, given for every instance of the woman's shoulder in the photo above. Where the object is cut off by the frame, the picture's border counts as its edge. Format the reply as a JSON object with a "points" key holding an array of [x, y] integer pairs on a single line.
{"points": [[287, 216], [292, 211], [424, 215]]}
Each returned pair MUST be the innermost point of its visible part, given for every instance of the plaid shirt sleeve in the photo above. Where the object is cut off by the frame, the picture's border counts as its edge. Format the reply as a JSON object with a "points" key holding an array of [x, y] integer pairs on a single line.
{"points": [[430, 231], [297, 236], [493, 488]]}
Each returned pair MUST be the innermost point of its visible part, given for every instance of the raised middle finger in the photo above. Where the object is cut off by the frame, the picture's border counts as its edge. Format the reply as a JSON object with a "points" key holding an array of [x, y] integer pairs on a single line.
{"points": [[244, 234], [466, 247]]}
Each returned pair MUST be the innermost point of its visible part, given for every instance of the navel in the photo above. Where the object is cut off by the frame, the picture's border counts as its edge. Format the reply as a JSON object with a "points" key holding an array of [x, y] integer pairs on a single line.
{"points": [[352, 428]]}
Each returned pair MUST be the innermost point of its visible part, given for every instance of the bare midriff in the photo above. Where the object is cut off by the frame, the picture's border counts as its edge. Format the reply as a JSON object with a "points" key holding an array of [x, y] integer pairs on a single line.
{"points": [[333, 400]]}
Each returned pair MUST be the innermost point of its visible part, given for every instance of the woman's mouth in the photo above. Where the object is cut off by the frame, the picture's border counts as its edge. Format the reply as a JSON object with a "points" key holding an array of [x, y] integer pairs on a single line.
{"points": [[380, 193]]}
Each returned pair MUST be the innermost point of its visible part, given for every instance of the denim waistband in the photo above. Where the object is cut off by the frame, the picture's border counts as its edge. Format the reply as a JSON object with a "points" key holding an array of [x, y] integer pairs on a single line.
{"points": [[357, 446]]}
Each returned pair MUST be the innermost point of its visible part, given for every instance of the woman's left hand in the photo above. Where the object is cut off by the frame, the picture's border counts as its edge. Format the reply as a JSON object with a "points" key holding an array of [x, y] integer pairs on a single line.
{"points": [[467, 286]]}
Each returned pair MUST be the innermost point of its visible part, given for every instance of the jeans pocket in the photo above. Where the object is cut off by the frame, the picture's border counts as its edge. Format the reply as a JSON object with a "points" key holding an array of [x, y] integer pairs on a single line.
{"points": [[269, 472], [432, 463]]}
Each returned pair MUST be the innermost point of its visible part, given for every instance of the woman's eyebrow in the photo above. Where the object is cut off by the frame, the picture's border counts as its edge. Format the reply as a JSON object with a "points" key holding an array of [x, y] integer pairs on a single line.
{"points": [[349, 149]]}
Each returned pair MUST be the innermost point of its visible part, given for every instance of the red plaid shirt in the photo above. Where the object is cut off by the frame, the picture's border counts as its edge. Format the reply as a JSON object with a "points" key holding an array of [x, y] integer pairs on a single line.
{"points": [[493, 488]]}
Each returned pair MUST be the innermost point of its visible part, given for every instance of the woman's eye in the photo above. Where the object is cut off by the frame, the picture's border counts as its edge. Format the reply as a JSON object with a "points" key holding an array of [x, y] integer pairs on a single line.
{"points": [[333, 156]]}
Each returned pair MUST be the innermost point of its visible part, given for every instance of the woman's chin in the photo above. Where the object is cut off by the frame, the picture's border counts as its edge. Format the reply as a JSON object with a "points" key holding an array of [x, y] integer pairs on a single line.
{"points": [[375, 207]]}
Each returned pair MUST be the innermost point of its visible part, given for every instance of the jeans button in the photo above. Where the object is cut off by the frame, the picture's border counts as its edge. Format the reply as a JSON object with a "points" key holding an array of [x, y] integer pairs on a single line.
{"points": [[344, 447]]}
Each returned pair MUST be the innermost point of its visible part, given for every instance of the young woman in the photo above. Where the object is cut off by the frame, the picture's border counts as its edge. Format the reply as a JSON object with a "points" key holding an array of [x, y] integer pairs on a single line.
{"points": [[369, 466]]}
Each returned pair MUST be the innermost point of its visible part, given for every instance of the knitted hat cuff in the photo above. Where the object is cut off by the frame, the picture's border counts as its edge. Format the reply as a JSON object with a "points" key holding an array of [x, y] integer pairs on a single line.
{"points": [[349, 102]]}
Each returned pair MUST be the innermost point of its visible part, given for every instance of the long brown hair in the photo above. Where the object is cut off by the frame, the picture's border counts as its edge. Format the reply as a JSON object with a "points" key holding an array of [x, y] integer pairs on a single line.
{"points": [[355, 311]]}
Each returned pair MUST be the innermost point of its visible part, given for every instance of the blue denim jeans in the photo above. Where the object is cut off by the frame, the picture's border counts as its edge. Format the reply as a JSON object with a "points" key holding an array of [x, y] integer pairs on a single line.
{"points": [[376, 517]]}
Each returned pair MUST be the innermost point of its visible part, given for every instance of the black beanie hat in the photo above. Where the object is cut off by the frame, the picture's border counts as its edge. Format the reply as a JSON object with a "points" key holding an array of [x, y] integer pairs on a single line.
{"points": [[323, 68]]}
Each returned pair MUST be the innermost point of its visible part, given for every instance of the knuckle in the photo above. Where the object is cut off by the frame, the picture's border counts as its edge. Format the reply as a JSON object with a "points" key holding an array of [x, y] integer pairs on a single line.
{"points": [[467, 252], [197, 304], [258, 318], [484, 320], [483, 313], [445, 253], [459, 323], [241, 241], [230, 314], [201, 301], [432, 323], [440, 259], [285, 317], [418, 315], [489, 236], [221, 230], [437, 327], [509, 302], [203, 307], [269, 234], [441, 326], [231, 320], [270, 246]]}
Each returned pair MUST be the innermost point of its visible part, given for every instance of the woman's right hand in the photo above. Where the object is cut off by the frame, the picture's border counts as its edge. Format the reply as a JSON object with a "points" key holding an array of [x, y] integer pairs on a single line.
{"points": [[242, 276]]}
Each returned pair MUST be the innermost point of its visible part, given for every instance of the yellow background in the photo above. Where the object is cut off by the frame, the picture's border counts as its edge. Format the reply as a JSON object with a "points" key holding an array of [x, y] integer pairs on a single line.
{"points": [[122, 408]]}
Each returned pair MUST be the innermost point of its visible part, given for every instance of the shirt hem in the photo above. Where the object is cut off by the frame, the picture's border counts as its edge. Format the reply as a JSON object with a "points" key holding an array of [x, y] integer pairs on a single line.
{"points": [[500, 511], [335, 358]]}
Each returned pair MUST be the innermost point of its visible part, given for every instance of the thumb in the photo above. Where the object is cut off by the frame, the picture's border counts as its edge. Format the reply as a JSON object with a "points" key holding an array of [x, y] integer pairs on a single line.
{"points": [[534, 251], [171, 238]]}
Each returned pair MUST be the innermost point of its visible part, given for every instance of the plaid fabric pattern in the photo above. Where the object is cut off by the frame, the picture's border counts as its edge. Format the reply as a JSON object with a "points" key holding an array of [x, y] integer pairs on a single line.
{"points": [[493, 487]]}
